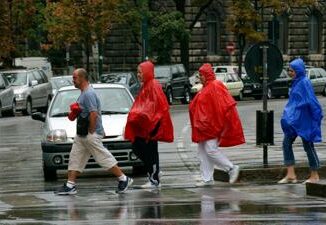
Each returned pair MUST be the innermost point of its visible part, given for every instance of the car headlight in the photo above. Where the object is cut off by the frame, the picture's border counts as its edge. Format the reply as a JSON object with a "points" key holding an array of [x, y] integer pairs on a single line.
{"points": [[20, 95], [57, 136]]}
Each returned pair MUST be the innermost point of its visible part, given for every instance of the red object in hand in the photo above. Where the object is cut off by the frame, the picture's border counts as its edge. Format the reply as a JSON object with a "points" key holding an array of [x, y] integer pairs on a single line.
{"points": [[74, 111]]}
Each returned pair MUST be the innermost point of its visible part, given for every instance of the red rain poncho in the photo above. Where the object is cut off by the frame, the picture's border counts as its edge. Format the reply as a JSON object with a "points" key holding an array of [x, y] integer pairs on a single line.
{"points": [[213, 113], [149, 116]]}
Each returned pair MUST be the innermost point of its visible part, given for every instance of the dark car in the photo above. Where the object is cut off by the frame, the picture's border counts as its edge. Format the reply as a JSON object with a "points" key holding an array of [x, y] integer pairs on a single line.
{"points": [[277, 88], [174, 81], [128, 79], [317, 77]]}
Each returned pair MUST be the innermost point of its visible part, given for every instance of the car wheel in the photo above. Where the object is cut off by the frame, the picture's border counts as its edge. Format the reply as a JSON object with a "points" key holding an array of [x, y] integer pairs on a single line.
{"points": [[13, 109], [187, 97], [269, 93], [0, 110], [28, 110], [169, 96], [49, 174], [324, 91]]}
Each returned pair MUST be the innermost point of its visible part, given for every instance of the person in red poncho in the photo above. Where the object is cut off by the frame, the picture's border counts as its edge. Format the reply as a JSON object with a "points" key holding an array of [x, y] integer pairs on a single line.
{"points": [[214, 122], [148, 122]]}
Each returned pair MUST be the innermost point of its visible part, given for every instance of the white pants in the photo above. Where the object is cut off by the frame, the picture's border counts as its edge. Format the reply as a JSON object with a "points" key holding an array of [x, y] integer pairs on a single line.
{"points": [[210, 156], [84, 147]]}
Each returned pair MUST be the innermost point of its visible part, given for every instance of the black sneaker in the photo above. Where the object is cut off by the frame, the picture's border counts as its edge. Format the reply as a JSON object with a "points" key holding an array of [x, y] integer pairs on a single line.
{"points": [[123, 185], [65, 190]]}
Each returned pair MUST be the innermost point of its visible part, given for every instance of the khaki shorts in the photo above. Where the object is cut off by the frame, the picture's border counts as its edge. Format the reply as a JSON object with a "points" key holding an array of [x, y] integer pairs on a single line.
{"points": [[84, 147]]}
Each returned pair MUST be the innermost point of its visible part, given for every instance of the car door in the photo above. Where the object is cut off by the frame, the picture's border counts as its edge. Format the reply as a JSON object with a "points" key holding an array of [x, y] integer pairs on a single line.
{"points": [[231, 84], [280, 86], [5, 95], [176, 82], [313, 79], [42, 88], [33, 89], [319, 81], [133, 84]]}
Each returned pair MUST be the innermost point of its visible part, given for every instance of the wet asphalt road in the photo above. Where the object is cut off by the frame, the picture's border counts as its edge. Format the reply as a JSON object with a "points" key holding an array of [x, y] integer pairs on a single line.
{"points": [[26, 199]]}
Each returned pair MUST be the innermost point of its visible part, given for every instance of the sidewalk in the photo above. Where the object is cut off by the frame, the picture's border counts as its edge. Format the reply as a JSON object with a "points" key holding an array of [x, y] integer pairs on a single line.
{"points": [[250, 159]]}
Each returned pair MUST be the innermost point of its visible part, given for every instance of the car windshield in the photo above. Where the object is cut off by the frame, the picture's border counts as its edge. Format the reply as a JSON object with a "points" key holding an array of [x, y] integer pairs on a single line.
{"points": [[115, 78], [113, 101], [17, 78], [58, 83], [162, 72]]}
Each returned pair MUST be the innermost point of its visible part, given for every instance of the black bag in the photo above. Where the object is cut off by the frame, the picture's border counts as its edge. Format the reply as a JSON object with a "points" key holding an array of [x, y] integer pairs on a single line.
{"points": [[82, 126]]}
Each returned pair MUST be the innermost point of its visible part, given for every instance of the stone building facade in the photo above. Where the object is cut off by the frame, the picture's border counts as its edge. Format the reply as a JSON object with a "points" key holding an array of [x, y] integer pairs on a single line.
{"points": [[302, 33]]}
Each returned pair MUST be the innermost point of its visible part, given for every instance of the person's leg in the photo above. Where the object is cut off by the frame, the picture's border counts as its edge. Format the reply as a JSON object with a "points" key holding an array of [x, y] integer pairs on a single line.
{"points": [[289, 160], [216, 156], [106, 160], [313, 160], [206, 166], [153, 158], [139, 148], [78, 158]]}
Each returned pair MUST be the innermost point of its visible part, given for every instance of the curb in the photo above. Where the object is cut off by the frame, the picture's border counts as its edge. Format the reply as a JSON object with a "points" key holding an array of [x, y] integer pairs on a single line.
{"points": [[271, 174]]}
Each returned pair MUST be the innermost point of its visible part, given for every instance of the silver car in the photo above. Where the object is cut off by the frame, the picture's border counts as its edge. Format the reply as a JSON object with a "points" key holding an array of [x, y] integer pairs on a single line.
{"points": [[32, 89], [59, 131], [317, 77], [7, 97]]}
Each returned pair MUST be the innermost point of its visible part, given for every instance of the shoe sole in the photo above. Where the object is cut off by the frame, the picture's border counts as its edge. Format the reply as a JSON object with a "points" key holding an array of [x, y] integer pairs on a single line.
{"points": [[66, 193], [129, 184]]}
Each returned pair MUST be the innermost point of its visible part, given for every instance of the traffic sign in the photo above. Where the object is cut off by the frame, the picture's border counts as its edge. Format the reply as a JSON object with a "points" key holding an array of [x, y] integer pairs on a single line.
{"points": [[254, 62], [230, 47]]}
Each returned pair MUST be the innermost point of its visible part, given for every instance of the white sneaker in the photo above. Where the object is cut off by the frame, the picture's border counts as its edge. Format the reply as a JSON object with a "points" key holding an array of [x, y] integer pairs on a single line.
{"points": [[150, 185], [234, 174], [204, 183]]}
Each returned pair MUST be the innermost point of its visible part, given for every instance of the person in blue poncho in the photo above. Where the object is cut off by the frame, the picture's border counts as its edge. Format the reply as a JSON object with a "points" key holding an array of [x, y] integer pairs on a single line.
{"points": [[301, 117]]}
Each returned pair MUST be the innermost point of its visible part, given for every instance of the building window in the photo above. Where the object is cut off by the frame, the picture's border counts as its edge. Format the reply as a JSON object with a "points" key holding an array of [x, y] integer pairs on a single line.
{"points": [[213, 34], [283, 34], [314, 26]]}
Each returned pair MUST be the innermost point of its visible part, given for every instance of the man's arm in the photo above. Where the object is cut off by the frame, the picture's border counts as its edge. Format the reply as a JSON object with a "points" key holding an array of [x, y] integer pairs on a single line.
{"points": [[92, 122]]}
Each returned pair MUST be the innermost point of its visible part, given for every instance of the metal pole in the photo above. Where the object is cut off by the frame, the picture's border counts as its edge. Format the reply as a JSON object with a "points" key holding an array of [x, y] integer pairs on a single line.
{"points": [[265, 112]]}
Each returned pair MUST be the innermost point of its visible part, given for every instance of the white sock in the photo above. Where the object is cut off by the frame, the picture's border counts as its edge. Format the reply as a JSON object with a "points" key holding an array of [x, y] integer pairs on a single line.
{"points": [[70, 184], [122, 178]]}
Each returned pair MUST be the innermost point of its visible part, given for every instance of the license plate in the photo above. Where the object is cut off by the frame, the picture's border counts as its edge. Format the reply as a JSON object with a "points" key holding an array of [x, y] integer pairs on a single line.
{"points": [[247, 91]]}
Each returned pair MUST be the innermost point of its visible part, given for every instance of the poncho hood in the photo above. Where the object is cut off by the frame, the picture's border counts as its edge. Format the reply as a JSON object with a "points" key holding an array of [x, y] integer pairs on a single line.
{"points": [[147, 68], [298, 66], [207, 71]]}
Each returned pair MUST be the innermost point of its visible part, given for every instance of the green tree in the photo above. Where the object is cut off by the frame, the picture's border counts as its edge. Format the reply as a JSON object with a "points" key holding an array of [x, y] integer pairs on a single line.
{"points": [[80, 22], [247, 15], [20, 26]]}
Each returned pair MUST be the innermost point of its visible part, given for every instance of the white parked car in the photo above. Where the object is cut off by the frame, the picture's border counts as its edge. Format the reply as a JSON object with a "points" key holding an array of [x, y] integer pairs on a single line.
{"points": [[59, 131], [232, 82]]}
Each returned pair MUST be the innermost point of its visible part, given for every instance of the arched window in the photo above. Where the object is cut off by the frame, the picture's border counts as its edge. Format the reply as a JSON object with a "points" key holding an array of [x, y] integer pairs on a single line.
{"points": [[283, 34], [213, 34], [314, 27]]}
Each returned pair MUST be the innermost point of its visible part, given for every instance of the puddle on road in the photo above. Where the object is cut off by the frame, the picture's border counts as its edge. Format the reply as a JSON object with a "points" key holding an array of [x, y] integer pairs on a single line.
{"points": [[177, 204]]}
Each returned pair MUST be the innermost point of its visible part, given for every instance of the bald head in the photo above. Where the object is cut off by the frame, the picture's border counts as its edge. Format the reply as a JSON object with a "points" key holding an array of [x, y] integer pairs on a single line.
{"points": [[80, 78]]}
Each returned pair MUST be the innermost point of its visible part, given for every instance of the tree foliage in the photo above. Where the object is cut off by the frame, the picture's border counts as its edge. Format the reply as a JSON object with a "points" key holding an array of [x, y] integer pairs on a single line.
{"points": [[245, 15], [20, 25], [70, 21]]}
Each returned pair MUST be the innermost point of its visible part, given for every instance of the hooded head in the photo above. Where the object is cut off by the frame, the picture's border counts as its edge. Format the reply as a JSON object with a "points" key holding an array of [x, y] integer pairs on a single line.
{"points": [[207, 72], [147, 70], [298, 66]]}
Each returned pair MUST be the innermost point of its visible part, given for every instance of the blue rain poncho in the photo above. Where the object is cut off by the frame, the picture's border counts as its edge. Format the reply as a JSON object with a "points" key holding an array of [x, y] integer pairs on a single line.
{"points": [[302, 114]]}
